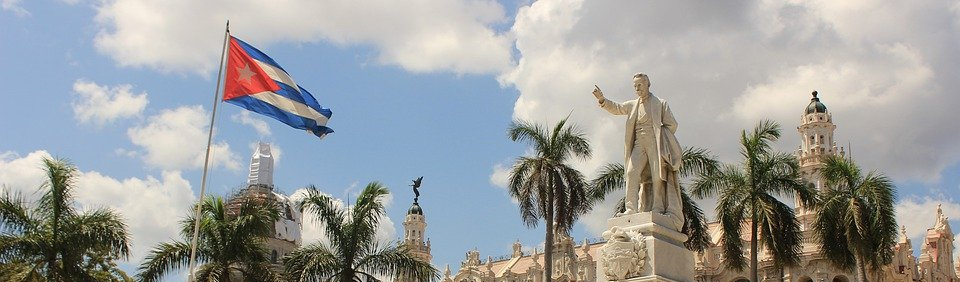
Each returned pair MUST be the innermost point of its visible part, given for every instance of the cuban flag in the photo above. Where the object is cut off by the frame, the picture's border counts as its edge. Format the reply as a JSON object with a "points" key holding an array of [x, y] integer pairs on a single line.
{"points": [[257, 83]]}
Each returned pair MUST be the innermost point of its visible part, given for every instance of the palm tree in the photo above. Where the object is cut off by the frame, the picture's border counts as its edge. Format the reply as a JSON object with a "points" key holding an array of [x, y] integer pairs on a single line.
{"points": [[353, 253], [856, 223], [696, 161], [53, 241], [231, 244], [544, 185], [747, 195]]}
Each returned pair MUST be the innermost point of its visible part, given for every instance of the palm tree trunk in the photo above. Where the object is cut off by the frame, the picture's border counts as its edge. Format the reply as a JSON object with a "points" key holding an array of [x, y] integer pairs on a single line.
{"points": [[52, 269], [753, 247], [861, 274], [548, 245]]}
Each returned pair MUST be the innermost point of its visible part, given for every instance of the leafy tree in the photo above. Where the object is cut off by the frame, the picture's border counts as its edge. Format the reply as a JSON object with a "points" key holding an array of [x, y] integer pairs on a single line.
{"points": [[352, 253], [230, 244], [696, 161], [544, 185], [747, 196], [53, 241], [855, 223]]}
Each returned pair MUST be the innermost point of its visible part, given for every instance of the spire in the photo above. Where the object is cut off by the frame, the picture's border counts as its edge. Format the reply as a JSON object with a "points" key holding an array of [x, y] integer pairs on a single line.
{"points": [[261, 166], [903, 235]]}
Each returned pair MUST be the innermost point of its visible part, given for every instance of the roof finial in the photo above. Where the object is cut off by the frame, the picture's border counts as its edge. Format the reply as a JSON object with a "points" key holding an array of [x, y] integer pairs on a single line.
{"points": [[814, 93]]}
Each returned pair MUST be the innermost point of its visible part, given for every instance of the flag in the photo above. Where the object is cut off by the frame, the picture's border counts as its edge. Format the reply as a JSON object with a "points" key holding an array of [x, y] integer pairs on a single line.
{"points": [[257, 83]]}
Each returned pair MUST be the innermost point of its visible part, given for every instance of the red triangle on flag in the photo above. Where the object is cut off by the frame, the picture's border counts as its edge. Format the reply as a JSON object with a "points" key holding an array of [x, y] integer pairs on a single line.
{"points": [[244, 75]]}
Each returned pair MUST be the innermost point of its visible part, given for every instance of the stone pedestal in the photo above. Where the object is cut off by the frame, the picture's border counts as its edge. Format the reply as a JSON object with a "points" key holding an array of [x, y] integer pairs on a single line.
{"points": [[662, 256]]}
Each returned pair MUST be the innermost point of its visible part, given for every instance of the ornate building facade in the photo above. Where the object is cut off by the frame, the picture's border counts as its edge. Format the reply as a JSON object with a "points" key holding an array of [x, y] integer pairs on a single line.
{"points": [[578, 263], [570, 263]]}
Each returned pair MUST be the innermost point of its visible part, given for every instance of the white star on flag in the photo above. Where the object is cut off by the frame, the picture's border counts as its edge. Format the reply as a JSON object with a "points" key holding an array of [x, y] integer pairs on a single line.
{"points": [[245, 73]]}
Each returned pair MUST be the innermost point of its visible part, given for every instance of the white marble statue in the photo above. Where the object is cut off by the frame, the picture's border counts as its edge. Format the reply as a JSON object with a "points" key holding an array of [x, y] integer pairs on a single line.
{"points": [[652, 153]]}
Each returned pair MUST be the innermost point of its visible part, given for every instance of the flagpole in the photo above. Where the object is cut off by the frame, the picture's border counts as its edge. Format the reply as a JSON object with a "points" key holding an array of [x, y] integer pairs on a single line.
{"points": [[206, 159]]}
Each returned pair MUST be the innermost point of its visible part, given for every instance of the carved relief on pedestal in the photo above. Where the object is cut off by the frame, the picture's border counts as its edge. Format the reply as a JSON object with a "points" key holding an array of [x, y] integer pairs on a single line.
{"points": [[624, 255]]}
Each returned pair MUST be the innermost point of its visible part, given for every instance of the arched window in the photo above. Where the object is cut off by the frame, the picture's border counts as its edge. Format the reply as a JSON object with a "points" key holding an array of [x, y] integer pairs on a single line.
{"points": [[273, 256]]}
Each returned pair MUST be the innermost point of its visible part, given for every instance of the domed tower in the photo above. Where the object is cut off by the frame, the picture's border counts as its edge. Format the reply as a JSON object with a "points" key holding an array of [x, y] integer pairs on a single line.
{"points": [[816, 144], [414, 225], [286, 230]]}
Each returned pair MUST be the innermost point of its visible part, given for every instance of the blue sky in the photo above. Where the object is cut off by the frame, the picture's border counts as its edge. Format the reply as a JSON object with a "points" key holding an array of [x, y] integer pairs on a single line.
{"points": [[123, 89]]}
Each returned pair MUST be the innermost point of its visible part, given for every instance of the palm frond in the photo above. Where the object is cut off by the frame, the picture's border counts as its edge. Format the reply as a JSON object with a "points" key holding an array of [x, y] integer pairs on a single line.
{"points": [[57, 197], [396, 261], [698, 161], [569, 140], [327, 213], [14, 214], [695, 225], [314, 262], [165, 258], [731, 214], [522, 131], [101, 227], [608, 180], [368, 211], [780, 231], [525, 186], [573, 200]]}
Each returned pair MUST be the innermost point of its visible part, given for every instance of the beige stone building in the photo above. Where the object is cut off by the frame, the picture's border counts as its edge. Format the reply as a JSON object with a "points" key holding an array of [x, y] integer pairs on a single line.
{"points": [[578, 262]]}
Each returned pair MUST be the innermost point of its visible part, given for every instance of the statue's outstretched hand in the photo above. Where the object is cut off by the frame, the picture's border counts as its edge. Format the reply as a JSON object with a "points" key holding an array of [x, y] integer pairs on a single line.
{"points": [[597, 93]]}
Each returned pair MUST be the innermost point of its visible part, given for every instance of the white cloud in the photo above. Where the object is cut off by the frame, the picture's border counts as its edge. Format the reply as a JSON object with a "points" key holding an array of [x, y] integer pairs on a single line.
{"points": [[176, 139], [14, 7], [500, 176], [419, 36], [22, 174], [919, 214], [168, 197], [258, 124], [313, 231], [104, 104]]}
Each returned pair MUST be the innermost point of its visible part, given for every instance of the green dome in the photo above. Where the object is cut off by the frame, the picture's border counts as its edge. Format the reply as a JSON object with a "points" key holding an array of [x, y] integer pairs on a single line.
{"points": [[415, 209], [815, 106]]}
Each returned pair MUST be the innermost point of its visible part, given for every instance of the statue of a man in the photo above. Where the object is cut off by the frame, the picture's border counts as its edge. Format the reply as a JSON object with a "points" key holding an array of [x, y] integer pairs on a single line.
{"points": [[652, 153]]}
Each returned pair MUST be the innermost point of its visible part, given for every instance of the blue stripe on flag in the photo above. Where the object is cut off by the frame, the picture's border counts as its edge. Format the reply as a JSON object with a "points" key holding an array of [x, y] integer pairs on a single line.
{"points": [[289, 93], [296, 121], [257, 55]]}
